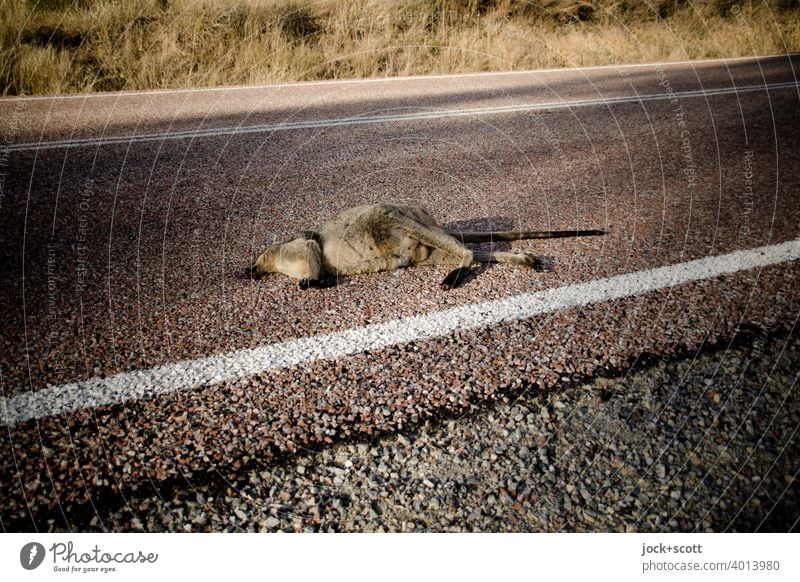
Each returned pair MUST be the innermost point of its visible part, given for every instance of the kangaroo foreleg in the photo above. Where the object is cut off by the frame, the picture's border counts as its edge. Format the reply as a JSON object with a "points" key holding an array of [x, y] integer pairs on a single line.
{"points": [[445, 249], [450, 250]]}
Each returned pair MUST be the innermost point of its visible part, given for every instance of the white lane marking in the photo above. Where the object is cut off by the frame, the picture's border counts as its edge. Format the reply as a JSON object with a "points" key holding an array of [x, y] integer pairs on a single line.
{"points": [[370, 119], [192, 374], [691, 62]]}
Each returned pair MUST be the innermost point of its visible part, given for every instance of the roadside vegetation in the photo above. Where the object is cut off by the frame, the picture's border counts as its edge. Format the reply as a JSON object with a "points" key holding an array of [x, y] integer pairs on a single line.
{"points": [[69, 46]]}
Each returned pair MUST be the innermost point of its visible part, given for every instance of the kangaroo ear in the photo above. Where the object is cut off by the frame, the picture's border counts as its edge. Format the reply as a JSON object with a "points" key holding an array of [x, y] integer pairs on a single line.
{"points": [[314, 258], [317, 278]]}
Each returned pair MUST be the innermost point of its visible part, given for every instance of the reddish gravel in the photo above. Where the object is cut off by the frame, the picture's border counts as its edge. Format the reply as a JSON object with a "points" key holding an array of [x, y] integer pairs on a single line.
{"points": [[222, 429], [126, 256]]}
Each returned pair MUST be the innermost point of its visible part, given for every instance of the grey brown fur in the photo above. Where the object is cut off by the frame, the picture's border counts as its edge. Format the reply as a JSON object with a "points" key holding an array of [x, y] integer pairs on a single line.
{"points": [[383, 237]]}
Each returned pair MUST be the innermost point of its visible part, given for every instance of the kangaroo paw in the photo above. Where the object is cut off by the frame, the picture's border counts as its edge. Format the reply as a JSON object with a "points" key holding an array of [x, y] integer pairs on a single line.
{"points": [[455, 278], [542, 264], [321, 283]]}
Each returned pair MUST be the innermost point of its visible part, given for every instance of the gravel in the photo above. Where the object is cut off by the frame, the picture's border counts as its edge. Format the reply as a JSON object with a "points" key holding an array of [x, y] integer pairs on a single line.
{"points": [[706, 443]]}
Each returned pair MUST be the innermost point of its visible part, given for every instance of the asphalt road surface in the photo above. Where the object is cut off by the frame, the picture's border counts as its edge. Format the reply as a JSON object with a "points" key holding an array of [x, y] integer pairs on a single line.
{"points": [[136, 358]]}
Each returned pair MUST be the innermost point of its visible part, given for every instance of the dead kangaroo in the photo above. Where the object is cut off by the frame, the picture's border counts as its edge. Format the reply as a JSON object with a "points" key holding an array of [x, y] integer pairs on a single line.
{"points": [[382, 237]]}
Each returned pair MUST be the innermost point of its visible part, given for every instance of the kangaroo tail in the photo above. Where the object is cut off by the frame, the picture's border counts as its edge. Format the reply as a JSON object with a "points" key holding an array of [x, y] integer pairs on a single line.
{"points": [[507, 235]]}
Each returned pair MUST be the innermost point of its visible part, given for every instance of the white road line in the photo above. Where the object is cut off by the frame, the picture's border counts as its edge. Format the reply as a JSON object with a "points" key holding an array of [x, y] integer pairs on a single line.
{"points": [[622, 66], [193, 374], [371, 119]]}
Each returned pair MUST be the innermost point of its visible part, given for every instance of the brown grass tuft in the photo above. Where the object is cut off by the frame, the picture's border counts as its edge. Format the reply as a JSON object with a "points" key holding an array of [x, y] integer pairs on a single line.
{"points": [[58, 46]]}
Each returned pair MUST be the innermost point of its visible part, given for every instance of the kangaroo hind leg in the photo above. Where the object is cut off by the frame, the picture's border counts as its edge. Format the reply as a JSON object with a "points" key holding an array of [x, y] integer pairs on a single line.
{"points": [[537, 263], [445, 250]]}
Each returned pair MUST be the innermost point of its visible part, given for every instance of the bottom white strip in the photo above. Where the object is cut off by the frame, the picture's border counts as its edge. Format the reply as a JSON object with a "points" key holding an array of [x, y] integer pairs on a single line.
{"points": [[395, 557]]}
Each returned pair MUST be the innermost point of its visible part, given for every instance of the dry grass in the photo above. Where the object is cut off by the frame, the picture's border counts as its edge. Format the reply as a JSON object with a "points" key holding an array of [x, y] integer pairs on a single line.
{"points": [[59, 46]]}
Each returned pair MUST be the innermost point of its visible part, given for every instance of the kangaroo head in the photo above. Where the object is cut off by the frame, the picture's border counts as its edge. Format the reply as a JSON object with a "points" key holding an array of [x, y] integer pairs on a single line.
{"points": [[299, 257]]}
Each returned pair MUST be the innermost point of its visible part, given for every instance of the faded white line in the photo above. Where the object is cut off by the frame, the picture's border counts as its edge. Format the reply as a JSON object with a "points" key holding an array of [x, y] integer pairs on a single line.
{"points": [[193, 374], [399, 117], [622, 66]]}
